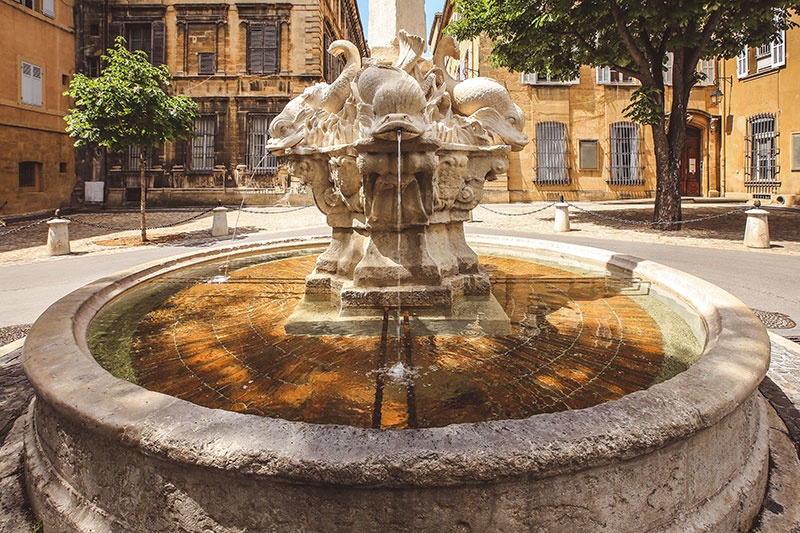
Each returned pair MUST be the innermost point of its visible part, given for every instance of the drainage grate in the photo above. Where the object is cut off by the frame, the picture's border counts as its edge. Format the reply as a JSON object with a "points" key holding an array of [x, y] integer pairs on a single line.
{"points": [[774, 320]]}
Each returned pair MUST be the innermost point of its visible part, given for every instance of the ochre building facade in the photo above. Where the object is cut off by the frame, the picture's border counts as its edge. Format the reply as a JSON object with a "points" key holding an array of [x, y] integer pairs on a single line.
{"points": [[582, 145], [241, 61], [37, 162], [761, 109]]}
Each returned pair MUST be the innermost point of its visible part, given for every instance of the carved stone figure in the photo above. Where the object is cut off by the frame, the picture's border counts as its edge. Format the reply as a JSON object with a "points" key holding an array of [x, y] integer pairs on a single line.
{"points": [[397, 156]]}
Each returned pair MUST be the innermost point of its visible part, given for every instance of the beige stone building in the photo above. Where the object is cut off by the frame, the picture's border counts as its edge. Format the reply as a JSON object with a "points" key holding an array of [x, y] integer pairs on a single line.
{"points": [[241, 61], [582, 145], [36, 156], [761, 105]]}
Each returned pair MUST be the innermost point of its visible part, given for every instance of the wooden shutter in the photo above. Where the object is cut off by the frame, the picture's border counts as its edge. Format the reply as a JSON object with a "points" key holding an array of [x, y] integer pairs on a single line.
{"points": [[743, 63], [205, 63], [48, 8], [158, 43], [31, 84], [779, 50], [255, 49], [115, 29], [708, 68], [603, 75], [272, 47]]}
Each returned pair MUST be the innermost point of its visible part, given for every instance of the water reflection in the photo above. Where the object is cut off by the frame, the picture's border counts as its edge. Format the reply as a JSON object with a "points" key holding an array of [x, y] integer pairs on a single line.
{"points": [[575, 341]]}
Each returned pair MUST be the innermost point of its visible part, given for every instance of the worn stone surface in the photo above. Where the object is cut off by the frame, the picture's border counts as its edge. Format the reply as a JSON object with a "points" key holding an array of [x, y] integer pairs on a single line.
{"points": [[756, 231], [109, 438]]}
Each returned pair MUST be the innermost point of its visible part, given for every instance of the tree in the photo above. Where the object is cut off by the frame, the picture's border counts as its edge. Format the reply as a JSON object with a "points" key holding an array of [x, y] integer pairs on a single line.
{"points": [[128, 105], [633, 37]]}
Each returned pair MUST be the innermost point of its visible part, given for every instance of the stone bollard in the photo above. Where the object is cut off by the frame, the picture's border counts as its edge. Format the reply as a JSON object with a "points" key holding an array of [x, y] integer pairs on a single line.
{"points": [[219, 226], [562, 217], [58, 237], [756, 231]]}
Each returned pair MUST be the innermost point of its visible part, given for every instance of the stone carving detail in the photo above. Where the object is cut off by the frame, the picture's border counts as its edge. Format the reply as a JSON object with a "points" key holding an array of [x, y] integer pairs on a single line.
{"points": [[398, 240]]}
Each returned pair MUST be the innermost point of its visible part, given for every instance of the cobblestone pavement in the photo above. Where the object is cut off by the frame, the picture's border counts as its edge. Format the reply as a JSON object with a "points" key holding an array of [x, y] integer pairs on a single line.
{"points": [[9, 334], [725, 232]]}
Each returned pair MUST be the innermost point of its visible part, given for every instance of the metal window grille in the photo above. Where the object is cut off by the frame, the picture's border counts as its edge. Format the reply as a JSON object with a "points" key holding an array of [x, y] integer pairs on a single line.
{"points": [[203, 143], [259, 160], [761, 149], [132, 158], [625, 154], [27, 174], [551, 153]]}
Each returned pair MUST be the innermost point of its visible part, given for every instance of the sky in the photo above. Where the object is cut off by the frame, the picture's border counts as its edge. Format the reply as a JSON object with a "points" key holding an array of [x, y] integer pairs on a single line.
{"points": [[431, 7]]}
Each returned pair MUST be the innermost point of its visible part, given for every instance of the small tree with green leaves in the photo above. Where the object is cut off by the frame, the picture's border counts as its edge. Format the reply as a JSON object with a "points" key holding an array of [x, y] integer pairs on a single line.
{"points": [[633, 37], [129, 105]]}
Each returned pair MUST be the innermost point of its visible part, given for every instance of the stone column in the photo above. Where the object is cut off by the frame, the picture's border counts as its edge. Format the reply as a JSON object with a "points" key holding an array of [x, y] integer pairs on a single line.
{"points": [[756, 231], [387, 18], [219, 226], [562, 218], [58, 237]]}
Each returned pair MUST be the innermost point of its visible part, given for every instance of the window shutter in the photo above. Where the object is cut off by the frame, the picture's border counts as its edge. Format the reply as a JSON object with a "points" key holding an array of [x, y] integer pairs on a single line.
{"points": [[31, 84], [708, 67], [272, 47], [48, 8], [529, 78], [668, 68], [779, 50], [158, 35], [255, 49], [115, 29], [205, 63], [603, 75], [742, 63], [36, 90]]}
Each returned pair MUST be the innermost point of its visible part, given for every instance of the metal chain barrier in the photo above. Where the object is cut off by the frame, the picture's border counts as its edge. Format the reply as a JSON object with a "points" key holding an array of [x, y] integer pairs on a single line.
{"points": [[257, 212], [16, 230], [162, 226], [539, 210], [656, 223]]}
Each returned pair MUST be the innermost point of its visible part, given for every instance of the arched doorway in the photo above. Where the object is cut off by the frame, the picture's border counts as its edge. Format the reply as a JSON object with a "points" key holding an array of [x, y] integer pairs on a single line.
{"points": [[691, 170]]}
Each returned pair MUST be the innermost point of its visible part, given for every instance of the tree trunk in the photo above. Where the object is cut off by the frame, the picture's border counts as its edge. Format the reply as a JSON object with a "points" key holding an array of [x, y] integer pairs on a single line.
{"points": [[669, 140], [143, 195]]}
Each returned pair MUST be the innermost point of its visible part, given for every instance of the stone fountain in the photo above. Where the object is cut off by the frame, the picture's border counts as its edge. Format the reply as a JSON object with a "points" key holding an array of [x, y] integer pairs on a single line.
{"points": [[396, 153], [225, 432]]}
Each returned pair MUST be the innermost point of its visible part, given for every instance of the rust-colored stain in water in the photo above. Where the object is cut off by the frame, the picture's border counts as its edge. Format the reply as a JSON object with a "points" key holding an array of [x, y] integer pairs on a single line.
{"points": [[575, 342]]}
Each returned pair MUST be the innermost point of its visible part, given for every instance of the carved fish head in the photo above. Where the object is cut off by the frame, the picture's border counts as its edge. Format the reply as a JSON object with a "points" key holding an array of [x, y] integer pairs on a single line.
{"points": [[409, 126]]}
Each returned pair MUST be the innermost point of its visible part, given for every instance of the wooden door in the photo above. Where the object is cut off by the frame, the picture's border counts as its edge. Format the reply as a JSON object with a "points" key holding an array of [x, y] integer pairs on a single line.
{"points": [[690, 164]]}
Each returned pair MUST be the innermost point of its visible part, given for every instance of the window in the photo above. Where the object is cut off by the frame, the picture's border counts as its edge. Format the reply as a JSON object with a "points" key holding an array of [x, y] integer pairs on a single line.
{"points": [[206, 63], [532, 78], [610, 76], [761, 149], [203, 143], [259, 160], [332, 64], [31, 84], [29, 174], [139, 37], [263, 49], [708, 72], [625, 155], [48, 8], [94, 29], [149, 37], [766, 57], [795, 151], [132, 158], [589, 151], [551, 153], [93, 67]]}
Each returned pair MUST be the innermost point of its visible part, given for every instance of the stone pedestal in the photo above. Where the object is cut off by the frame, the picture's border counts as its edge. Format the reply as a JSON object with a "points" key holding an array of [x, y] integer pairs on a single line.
{"points": [[219, 226], [58, 237], [387, 18], [562, 218], [756, 232]]}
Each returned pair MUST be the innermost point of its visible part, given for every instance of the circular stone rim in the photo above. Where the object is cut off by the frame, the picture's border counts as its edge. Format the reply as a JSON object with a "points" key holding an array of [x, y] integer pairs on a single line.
{"points": [[65, 376]]}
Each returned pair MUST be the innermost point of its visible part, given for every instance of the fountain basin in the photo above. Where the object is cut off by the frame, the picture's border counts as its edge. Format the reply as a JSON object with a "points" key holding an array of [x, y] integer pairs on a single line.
{"points": [[689, 454]]}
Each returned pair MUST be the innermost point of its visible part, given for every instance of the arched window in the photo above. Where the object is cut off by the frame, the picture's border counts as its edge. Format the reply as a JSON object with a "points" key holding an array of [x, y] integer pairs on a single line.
{"points": [[625, 144], [551, 153]]}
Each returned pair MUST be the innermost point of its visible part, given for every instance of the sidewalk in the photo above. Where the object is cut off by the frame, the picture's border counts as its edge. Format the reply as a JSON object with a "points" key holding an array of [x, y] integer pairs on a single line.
{"points": [[723, 232]]}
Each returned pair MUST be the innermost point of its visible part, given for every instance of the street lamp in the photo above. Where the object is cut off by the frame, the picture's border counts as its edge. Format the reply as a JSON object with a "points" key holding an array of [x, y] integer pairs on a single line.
{"points": [[718, 95]]}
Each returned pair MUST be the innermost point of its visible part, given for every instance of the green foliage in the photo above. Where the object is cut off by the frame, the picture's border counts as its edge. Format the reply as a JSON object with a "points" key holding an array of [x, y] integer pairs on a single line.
{"points": [[128, 105], [633, 36], [646, 106]]}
